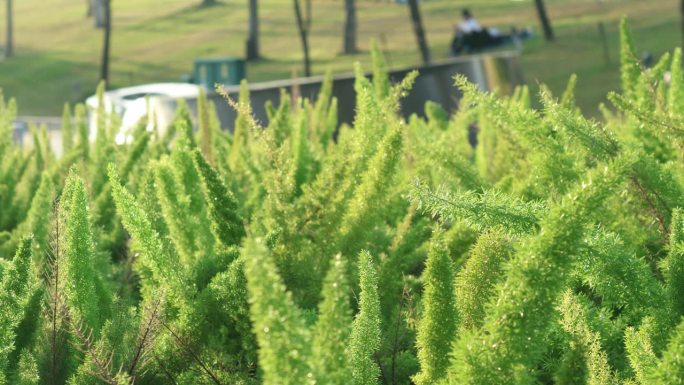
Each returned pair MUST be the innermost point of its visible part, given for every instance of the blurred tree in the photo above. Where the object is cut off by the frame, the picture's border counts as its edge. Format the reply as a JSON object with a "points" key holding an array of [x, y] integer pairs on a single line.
{"points": [[544, 19], [419, 31], [350, 27], [603, 35], [208, 2], [9, 43], [97, 10], [304, 26], [107, 7], [253, 37]]}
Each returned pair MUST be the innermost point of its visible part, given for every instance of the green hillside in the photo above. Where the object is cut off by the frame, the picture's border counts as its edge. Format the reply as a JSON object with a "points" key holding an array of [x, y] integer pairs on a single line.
{"points": [[58, 49]]}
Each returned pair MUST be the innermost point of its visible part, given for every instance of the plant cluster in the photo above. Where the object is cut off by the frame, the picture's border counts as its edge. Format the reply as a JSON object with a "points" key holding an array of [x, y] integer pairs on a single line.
{"points": [[385, 252]]}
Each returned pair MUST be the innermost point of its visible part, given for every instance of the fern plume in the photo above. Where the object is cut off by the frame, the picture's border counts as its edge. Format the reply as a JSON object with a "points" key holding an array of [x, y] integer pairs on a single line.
{"points": [[365, 334], [14, 293], [278, 324], [437, 328]]}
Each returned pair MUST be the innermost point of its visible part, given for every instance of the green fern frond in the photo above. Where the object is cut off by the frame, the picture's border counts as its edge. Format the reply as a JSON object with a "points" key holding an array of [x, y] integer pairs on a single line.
{"points": [[486, 210], [670, 368], [437, 328], [575, 323], [284, 340], [333, 327], [163, 265], [673, 264], [630, 70], [222, 206], [640, 352], [476, 281], [364, 341], [79, 258], [17, 278]]}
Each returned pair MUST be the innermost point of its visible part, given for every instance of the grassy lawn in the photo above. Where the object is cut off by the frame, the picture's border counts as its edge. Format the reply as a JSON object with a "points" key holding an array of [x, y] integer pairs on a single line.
{"points": [[58, 49]]}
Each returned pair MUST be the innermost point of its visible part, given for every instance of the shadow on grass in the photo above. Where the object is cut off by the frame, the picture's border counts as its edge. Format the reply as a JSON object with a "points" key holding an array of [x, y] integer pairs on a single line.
{"points": [[186, 14], [42, 81]]}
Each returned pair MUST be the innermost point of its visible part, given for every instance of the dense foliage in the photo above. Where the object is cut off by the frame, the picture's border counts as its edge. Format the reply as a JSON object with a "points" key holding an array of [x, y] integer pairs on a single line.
{"points": [[390, 252]]}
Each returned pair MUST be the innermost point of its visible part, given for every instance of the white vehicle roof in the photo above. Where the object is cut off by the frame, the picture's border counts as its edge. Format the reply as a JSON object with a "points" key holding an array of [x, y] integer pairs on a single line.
{"points": [[171, 90]]}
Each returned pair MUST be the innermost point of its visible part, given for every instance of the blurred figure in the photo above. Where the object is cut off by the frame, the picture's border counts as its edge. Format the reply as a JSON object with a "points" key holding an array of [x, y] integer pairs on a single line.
{"points": [[470, 36], [647, 59], [469, 24]]}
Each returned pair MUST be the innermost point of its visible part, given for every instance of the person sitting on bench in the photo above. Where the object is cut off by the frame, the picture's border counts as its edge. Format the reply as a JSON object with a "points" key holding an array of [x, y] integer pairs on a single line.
{"points": [[469, 24], [472, 37]]}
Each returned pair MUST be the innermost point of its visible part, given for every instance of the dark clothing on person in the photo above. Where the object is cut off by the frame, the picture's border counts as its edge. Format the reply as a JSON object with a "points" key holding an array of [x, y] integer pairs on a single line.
{"points": [[478, 41]]}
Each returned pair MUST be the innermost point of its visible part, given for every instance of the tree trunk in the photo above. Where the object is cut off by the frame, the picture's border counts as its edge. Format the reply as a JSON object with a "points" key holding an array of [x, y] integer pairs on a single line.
{"points": [[99, 13], [253, 38], [544, 19], [604, 42], [304, 26], [682, 12], [9, 44], [89, 8], [419, 31], [104, 74], [350, 27]]}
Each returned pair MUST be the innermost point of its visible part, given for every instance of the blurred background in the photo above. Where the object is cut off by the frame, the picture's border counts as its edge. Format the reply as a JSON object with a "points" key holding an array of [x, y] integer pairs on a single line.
{"points": [[57, 45]]}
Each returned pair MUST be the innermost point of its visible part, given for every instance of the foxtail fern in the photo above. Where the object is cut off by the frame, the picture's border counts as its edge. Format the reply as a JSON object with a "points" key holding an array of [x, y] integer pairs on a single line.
{"points": [[365, 336], [333, 327], [85, 295], [17, 278], [437, 328], [284, 339]]}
